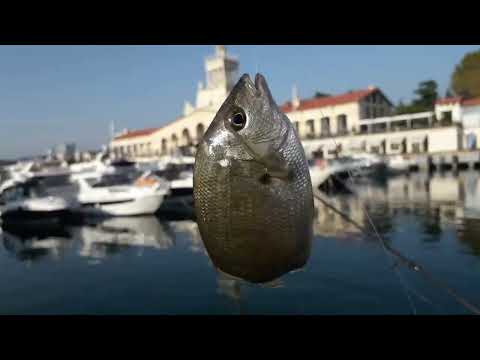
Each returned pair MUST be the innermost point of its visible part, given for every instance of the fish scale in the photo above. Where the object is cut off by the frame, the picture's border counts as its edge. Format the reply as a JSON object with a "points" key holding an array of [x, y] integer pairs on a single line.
{"points": [[254, 225]]}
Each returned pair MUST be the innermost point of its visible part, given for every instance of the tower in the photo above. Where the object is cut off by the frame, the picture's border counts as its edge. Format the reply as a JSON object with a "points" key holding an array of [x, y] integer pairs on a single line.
{"points": [[295, 98], [221, 74]]}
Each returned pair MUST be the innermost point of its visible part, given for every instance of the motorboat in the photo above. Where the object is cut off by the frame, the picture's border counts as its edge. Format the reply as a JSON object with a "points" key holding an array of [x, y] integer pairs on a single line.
{"points": [[55, 173], [103, 163], [332, 175], [178, 170], [343, 168], [355, 166], [37, 169], [116, 194], [369, 164], [398, 164], [26, 200]]}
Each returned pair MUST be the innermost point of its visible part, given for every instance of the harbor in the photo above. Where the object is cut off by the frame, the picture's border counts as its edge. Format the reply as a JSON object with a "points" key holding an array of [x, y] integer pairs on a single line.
{"points": [[158, 265], [115, 227]]}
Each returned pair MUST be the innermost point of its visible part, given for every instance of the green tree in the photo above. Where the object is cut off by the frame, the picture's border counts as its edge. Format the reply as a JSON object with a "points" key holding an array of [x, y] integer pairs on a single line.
{"points": [[465, 79], [401, 108], [320, 94], [427, 93]]}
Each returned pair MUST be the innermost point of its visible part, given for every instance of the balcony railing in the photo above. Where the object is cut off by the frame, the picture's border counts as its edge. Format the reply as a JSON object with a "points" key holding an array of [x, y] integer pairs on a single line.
{"points": [[374, 131], [326, 135]]}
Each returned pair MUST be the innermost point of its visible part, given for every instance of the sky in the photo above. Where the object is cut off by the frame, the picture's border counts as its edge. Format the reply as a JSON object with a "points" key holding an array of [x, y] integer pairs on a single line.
{"points": [[56, 94]]}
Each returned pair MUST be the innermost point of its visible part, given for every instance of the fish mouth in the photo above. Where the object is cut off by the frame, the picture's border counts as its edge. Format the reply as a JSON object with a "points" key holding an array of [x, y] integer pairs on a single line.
{"points": [[259, 85], [260, 82]]}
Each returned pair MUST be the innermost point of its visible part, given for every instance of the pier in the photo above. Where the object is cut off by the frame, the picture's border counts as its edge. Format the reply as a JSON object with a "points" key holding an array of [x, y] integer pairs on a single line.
{"points": [[444, 161]]}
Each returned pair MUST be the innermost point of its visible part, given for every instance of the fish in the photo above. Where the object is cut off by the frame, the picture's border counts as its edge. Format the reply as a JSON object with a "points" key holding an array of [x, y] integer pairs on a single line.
{"points": [[252, 190]]}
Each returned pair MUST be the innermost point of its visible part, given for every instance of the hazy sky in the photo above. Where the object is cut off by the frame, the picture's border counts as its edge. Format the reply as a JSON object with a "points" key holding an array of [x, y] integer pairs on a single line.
{"points": [[55, 94]]}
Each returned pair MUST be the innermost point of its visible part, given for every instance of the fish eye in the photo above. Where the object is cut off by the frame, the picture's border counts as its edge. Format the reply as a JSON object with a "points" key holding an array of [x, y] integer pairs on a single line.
{"points": [[238, 120]]}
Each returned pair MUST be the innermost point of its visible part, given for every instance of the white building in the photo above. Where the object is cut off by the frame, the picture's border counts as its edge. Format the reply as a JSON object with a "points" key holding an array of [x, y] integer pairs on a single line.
{"points": [[465, 112], [63, 152], [187, 130], [359, 120]]}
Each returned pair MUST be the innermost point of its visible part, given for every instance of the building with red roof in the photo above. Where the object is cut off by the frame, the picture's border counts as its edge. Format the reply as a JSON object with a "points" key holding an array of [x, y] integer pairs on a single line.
{"points": [[336, 114], [460, 110], [359, 119]]}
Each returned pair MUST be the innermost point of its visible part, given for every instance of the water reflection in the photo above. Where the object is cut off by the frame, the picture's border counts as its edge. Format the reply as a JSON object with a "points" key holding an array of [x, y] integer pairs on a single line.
{"points": [[437, 202], [229, 286], [189, 229], [469, 234], [95, 238], [34, 243], [434, 220], [113, 235]]}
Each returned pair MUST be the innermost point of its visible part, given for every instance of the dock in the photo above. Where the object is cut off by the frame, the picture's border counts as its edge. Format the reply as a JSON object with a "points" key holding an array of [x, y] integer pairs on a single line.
{"points": [[444, 161]]}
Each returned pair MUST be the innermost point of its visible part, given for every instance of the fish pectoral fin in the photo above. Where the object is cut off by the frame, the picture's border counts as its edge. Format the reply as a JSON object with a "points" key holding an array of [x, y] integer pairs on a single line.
{"points": [[277, 167], [264, 153]]}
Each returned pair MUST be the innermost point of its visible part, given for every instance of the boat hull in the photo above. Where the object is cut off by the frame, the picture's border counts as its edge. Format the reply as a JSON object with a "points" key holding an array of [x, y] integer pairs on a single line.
{"points": [[32, 216], [144, 205]]}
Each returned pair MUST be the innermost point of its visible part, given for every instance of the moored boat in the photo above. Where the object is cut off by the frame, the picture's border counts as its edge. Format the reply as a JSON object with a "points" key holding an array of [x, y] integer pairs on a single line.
{"points": [[25, 201], [116, 195]]}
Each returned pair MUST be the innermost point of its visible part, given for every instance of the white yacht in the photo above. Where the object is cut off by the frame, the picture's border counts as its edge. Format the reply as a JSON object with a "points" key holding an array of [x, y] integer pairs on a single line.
{"points": [[37, 169], [178, 170], [369, 164], [116, 195], [398, 164], [356, 165], [26, 200], [103, 164]]}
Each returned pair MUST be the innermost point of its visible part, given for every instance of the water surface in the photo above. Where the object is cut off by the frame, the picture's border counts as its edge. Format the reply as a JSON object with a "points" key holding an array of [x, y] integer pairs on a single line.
{"points": [[151, 265]]}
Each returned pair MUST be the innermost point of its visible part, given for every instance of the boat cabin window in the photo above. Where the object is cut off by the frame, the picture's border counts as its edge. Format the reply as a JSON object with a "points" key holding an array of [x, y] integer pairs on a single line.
{"points": [[57, 180], [173, 171], [109, 180], [11, 194], [19, 192], [36, 191]]}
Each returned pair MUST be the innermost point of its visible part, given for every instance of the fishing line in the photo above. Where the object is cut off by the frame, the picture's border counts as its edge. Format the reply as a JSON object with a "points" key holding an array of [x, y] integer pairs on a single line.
{"points": [[346, 217], [256, 61], [416, 267], [411, 304], [409, 263], [404, 260]]}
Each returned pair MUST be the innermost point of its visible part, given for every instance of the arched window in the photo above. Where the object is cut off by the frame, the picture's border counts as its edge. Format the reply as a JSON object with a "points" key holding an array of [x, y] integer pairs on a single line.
{"points": [[164, 146], [311, 128], [325, 126], [200, 132], [174, 141], [186, 140], [342, 127]]}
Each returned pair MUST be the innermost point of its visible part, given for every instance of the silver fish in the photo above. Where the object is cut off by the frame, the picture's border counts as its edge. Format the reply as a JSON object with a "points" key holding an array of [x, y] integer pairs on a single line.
{"points": [[252, 188]]}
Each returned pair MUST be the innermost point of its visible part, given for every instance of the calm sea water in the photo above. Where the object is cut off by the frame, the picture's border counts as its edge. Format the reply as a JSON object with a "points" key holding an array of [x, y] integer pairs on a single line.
{"points": [[150, 265]]}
